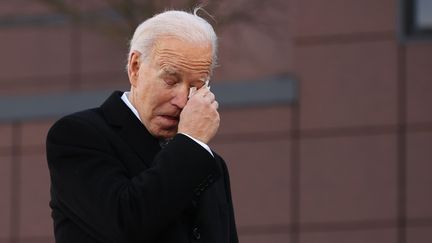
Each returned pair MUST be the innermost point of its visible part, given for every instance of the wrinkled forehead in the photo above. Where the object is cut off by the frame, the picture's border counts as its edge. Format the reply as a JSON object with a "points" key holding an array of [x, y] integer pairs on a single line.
{"points": [[177, 55]]}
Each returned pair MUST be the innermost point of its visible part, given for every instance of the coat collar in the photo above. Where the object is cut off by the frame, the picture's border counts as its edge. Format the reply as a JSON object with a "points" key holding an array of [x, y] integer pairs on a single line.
{"points": [[130, 128]]}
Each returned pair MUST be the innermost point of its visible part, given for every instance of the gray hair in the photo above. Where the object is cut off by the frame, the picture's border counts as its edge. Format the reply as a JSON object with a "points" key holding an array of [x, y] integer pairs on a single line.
{"points": [[186, 26]]}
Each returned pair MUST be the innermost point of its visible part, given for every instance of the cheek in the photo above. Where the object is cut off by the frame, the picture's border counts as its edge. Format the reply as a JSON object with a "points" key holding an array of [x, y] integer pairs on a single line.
{"points": [[154, 95], [142, 103], [162, 100], [157, 101], [160, 94]]}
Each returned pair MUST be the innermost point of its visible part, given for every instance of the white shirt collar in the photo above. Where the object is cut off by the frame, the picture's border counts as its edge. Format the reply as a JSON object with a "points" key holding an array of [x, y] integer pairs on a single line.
{"points": [[125, 98]]}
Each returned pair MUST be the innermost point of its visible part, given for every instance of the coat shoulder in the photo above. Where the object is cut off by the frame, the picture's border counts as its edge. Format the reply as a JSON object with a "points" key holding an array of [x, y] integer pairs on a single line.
{"points": [[80, 125]]}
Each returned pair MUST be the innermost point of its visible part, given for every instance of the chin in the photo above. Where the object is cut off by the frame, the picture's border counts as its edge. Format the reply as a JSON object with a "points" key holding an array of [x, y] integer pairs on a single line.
{"points": [[164, 134], [161, 132]]}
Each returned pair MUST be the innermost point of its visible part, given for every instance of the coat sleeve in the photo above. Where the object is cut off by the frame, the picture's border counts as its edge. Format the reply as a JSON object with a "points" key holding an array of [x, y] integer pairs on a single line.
{"points": [[93, 189], [232, 227]]}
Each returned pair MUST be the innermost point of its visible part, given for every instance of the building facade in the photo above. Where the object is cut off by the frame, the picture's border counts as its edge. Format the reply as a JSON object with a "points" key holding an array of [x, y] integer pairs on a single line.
{"points": [[342, 154]]}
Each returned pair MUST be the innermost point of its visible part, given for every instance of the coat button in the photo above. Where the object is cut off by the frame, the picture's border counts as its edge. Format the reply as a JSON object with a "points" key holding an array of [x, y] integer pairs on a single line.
{"points": [[210, 178], [196, 233]]}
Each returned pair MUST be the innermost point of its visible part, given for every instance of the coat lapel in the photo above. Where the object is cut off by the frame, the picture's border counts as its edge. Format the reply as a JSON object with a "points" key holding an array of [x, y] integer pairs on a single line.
{"points": [[130, 128]]}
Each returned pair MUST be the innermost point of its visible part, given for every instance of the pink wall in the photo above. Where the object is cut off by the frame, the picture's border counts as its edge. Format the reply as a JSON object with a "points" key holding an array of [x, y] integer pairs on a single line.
{"points": [[349, 162]]}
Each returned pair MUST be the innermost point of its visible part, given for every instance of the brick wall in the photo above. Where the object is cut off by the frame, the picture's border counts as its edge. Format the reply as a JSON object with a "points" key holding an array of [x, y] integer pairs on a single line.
{"points": [[349, 162]]}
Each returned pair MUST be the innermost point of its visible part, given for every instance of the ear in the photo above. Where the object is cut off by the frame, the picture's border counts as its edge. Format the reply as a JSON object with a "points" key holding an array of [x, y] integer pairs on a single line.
{"points": [[134, 63]]}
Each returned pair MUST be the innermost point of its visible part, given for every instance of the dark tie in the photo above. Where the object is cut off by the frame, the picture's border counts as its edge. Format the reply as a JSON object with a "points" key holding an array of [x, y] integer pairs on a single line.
{"points": [[164, 142]]}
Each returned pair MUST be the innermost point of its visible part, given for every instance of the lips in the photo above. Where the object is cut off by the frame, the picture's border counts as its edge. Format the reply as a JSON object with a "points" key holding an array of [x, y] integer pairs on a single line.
{"points": [[168, 117], [169, 121]]}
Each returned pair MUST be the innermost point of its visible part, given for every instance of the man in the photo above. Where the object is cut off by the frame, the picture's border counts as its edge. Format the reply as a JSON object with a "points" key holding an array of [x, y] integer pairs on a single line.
{"points": [[138, 168]]}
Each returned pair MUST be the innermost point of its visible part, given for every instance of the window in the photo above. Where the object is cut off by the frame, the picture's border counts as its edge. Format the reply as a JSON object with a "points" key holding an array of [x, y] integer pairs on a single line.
{"points": [[417, 19]]}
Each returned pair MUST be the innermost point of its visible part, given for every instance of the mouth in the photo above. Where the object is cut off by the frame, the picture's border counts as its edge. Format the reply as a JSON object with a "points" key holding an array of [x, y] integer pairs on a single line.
{"points": [[170, 120]]}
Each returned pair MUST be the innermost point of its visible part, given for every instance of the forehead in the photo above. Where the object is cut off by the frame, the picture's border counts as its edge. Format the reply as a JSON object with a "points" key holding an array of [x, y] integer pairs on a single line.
{"points": [[177, 55]]}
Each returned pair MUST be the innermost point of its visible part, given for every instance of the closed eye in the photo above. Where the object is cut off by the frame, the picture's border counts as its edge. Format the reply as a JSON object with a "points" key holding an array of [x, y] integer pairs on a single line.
{"points": [[170, 80]]}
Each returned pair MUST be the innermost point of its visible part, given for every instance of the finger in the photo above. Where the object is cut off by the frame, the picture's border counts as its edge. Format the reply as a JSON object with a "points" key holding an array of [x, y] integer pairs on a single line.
{"points": [[205, 85], [210, 96], [215, 105], [192, 91], [202, 92], [204, 95]]}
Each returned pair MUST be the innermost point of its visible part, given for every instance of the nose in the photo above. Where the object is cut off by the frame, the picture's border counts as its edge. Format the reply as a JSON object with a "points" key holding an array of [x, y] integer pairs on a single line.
{"points": [[180, 97]]}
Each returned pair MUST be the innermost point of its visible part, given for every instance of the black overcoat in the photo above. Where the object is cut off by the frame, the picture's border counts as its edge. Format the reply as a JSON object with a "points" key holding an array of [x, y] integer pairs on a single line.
{"points": [[111, 182]]}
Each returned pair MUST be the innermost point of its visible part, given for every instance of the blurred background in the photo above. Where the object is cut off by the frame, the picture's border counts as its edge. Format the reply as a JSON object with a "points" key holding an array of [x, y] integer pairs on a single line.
{"points": [[325, 105]]}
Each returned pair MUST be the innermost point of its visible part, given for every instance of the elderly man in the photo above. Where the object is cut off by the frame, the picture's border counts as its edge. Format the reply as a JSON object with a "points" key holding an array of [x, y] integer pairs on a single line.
{"points": [[138, 168]]}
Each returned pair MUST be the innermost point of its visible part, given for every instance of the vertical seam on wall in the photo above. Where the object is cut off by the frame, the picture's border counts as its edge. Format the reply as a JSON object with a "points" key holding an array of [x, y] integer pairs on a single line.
{"points": [[295, 171], [15, 181], [75, 53], [401, 145]]}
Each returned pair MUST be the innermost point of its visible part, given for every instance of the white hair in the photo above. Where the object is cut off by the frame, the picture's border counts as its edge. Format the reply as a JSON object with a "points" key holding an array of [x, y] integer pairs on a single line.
{"points": [[186, 26]]}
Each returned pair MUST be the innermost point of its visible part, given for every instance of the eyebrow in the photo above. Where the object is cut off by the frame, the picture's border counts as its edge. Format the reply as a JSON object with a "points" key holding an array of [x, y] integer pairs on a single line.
{"points": [[173, 72], [169, 71]]}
